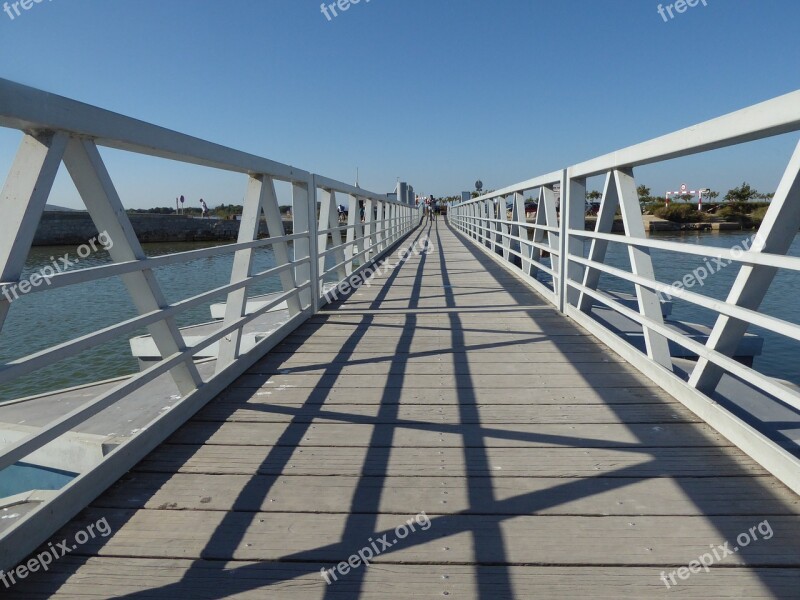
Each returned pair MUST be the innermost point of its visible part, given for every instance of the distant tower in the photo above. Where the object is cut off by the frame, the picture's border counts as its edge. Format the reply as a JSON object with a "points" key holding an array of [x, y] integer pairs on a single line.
{"points": [[358, 186]]}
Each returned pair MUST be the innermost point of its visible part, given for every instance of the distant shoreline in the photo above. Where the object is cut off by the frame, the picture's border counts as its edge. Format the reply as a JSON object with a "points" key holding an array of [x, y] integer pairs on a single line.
{"points": [[75, 227]]}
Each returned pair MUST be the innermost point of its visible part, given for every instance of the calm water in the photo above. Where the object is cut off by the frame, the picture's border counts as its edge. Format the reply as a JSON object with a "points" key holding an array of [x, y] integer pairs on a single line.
{"points": [[781, 355], [38, 321], [23, 477]]}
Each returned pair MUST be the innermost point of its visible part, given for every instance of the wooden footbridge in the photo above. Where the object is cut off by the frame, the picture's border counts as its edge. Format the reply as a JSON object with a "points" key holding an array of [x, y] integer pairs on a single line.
{"points": [[425, 409]]}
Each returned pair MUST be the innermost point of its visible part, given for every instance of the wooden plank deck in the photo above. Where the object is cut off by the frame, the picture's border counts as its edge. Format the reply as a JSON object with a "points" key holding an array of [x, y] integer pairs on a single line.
{"points": [[545, 466]]}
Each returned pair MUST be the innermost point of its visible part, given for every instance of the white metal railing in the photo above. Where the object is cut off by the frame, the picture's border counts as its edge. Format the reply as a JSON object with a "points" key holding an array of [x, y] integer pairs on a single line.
{"points": [[550, 254], [59, 130]]}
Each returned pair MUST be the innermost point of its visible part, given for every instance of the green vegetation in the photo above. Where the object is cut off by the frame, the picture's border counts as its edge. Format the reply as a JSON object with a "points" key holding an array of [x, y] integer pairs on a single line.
{"points": [[749, 214], [226, 211], [741, 206], [680, 213], [161, 210], [223, 211], [757, 216], [743, 193], [651, 205]]}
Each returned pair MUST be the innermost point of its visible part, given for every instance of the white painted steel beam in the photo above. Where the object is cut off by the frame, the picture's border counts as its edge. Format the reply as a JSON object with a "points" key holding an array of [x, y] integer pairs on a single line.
{"points": [[598, 247], [517, 217], [573, 191], [304, 219], [97, 191], [355, 232], [641, 264], [776, 234], [27, 108], [773, 117], [241, 270], [23, 200]]}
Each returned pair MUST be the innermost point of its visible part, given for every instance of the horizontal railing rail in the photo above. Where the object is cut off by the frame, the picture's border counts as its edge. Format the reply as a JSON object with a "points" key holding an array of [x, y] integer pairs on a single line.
{"points": [[570, 276], [58, 130]]}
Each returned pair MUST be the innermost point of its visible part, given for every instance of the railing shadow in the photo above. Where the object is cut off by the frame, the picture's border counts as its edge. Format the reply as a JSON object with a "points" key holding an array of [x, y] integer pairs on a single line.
{"points": [[362, 521]]}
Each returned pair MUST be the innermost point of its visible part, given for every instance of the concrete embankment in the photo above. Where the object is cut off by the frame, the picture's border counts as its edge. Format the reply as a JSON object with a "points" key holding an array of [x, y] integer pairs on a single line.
{"points": [[655, 224], [74, 228]]}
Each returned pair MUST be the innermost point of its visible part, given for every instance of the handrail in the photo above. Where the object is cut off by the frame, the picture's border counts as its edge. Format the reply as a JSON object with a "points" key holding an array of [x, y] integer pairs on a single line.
{"points": [[29, 109], [68, 278], [58, 129], [773, 117], [575, 287]]}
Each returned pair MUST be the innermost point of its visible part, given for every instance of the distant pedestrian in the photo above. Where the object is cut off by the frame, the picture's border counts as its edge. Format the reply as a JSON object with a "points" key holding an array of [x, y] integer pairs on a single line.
{"points": [[204, 208]]}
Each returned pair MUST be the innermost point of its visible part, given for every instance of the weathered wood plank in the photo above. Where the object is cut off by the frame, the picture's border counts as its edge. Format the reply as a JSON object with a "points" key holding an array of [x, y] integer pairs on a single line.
{"points": [[458, 360], [570, 343], [426, 435], [443, 381], [447, 539], [261, 409], [167, 579], [439, 365], [758, 496], [453, 462], [442, 327], [559, 396]]}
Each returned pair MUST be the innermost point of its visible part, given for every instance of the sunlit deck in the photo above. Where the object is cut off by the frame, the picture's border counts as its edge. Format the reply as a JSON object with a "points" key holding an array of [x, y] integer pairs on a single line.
{"points": [[545, 466]]}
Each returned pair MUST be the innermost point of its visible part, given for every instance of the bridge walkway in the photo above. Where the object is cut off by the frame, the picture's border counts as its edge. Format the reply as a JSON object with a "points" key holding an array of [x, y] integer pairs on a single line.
{"points": [[452, 422]]}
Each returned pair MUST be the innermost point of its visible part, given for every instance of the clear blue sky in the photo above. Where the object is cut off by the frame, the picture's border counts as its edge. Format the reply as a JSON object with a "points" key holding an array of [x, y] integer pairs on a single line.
{"points": [[438, 92]]}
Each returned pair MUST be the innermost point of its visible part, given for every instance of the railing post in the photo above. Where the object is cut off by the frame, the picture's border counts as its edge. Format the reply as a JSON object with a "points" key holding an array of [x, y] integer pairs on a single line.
{"points": [[369, 228], [394, 221], [304, 216], [380, 227], [502, 209], [355, 234], [485, 208], [479, 222], [519, 231], [573, 201], [497, 227]]}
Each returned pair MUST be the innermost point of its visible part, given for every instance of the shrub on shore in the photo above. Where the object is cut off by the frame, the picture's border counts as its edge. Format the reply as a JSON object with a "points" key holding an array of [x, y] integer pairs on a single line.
{"points": [[749, 214], [680, 213]]}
